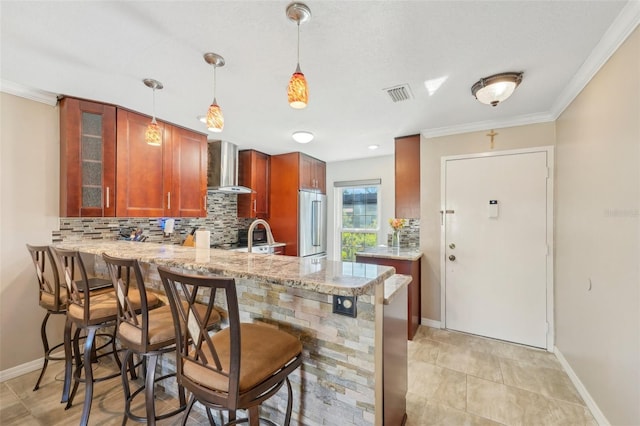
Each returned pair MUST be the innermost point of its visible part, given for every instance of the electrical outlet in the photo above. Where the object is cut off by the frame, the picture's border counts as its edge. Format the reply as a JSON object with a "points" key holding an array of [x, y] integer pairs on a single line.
{"points": [[345, 305]]}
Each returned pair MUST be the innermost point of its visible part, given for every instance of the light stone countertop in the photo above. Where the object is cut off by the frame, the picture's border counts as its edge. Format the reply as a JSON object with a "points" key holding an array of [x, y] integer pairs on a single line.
{"points": [[319, 275], [393, 284], [391, 253]]}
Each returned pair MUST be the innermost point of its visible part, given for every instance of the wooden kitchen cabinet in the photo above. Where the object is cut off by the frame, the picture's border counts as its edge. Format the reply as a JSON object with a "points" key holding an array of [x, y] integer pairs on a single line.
{"points": [[87, 158], [290, 173], [407, 176], [405, 267], [312, 174], [253, 173], [156, 181]]}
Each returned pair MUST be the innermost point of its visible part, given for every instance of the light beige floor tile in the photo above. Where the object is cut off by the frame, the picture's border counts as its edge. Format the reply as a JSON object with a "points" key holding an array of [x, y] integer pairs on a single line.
{"points": [[439, 414], [546, 381], [479, 364], [438, 384], [425, 350], [505, 404]]}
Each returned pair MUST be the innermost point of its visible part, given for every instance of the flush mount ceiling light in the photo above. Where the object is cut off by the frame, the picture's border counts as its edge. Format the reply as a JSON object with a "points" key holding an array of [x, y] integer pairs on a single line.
{"points": [[373, 147], [215, 119], [496, 88], [298, 91], [302, 137], [153, 135]]}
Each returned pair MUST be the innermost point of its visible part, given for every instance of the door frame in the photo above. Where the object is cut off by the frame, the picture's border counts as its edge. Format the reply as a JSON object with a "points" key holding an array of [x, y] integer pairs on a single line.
{"points": [[549, 150]]}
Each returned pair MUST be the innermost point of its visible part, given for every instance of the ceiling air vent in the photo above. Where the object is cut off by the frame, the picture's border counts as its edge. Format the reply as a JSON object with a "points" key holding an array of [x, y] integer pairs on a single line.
{"points": [[399, 93]]}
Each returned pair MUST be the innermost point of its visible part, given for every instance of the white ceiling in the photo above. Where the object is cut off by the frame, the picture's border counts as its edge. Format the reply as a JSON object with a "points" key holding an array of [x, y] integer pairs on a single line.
{"points": [[350, 51]]}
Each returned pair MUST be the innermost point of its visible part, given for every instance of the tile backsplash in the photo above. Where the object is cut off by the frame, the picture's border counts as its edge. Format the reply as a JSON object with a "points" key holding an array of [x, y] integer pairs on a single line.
{"points": [[221, 221], [409, 235]]}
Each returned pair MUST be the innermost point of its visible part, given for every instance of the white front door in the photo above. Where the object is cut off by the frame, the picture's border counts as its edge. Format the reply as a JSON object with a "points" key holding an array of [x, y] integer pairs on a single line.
{"points": [[496, 245]]}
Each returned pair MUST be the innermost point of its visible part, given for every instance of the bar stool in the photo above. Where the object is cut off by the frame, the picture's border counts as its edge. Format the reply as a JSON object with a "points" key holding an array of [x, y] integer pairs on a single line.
{"points": [[236, 368], [52, 297], [89, 312], [148, 335]]}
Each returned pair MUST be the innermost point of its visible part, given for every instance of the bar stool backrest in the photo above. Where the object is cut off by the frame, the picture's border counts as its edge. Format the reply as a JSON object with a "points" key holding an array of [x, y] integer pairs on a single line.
{"points": [[123, 273], [193, 342], [52, 296]]}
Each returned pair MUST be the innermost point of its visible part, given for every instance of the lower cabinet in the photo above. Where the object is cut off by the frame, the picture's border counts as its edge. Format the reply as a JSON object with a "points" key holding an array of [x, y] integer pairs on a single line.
{"points": [[405, 267]]}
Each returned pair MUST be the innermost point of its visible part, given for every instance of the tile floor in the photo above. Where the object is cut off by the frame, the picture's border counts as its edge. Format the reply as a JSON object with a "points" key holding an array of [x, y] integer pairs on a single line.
{"points": [[454, 379]]}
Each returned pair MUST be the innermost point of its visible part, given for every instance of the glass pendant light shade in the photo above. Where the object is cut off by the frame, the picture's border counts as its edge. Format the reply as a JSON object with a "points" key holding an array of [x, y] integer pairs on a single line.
{"points": [[153, 135], [496, 88], [215, 119], [298, 92]]}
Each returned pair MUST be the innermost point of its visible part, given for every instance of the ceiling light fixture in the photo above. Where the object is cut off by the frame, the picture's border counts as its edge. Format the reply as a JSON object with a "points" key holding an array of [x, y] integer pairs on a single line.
{"points": [[298, 91], [302, 136], [373, 147], [496, 88], [215, 119], [153, 134]]}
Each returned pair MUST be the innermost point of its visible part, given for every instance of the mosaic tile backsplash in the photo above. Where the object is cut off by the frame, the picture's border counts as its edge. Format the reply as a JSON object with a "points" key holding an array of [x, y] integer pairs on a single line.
{"points": [[221, 221]]}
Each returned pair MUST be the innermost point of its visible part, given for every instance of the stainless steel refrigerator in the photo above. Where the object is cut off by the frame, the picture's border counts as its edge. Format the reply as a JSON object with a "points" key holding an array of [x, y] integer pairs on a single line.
{"points": [[312, 220]]}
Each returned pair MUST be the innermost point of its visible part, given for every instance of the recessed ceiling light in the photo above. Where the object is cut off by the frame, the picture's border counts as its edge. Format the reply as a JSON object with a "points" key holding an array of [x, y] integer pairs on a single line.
{"points": [[434, 84], [202, 118], [302, 137], [372, 147]]}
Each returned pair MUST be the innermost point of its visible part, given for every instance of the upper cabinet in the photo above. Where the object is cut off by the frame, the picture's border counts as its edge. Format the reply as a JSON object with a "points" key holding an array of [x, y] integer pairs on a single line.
{"points": [[107, 168], [312, 174], [407, 176], [165, 180], [87, 158], [254, 173]]}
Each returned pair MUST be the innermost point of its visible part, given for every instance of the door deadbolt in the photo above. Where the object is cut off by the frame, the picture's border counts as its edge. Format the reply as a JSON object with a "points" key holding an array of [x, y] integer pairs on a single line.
{"points": [[452, 257], [452, 246]]}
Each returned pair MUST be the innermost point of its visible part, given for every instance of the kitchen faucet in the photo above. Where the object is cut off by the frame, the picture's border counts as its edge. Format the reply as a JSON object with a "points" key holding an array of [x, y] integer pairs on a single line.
{"points": [[253, 225]]}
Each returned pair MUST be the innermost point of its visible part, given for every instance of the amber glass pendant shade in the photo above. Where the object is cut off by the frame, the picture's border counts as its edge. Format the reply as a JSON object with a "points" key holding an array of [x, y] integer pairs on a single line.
{"points": [[298, 92], [153, 135], [215, 119]]}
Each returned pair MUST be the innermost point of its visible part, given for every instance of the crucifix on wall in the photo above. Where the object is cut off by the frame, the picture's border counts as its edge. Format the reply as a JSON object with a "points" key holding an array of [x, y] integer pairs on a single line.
{"points": [[492, 134]]}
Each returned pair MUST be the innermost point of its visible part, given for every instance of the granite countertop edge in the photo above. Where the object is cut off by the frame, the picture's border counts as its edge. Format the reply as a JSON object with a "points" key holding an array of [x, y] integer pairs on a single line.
{"points": [[391, 253], [393, 284], [283, 270]]}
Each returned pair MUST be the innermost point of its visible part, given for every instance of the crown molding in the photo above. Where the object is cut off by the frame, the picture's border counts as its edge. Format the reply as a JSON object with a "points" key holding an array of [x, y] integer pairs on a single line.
{"points": [[28, 92], [624, 24], [521, 120]]}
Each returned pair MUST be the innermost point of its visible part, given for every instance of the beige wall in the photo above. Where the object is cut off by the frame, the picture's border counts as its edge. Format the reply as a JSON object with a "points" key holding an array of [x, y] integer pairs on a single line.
{"points": [[29, 176], [598, 235], [431, 152], [369, 168]]}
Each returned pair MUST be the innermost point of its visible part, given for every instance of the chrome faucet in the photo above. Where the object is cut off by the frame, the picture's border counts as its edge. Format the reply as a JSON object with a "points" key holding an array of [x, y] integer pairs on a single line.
{"points": [[253, 225]]}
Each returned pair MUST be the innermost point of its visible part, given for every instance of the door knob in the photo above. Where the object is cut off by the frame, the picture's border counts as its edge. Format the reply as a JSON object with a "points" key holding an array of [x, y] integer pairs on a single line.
{"points": [[452, 257]]}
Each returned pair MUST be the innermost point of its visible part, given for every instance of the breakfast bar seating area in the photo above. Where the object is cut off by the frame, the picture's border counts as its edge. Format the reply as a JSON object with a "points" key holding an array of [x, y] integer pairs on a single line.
{"points": [[302, 361]]}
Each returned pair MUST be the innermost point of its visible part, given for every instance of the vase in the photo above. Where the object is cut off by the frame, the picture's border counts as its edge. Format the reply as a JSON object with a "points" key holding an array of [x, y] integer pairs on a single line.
{"points": [[395, 239]]}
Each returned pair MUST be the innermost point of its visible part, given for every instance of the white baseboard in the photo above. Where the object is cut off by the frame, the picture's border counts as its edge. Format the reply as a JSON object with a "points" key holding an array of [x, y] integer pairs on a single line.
{"points": [[430, 322], [591, 404], [21, 369]]}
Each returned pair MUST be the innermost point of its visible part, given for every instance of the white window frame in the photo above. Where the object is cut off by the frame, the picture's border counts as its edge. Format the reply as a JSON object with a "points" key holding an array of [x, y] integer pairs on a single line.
{"points": [[338, 196]]}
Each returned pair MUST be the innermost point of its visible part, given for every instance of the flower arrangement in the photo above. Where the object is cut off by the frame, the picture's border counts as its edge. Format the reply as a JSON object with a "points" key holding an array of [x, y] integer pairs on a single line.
{"points": [[397, 224]]}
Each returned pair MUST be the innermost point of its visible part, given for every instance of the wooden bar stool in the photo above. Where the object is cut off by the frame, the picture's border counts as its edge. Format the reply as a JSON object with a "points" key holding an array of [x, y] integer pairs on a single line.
{"points": [[236, 368], [89, 312], [148, 335], [52, 297]]}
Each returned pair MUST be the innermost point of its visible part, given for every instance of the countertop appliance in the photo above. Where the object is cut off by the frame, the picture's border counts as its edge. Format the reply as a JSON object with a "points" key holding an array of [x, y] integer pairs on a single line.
{"points": [[312, 222], [259, 240]]}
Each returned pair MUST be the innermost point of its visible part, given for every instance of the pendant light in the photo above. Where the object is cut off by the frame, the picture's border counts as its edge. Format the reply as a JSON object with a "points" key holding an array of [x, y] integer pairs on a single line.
{"points": [[153, 135], [215, 119], [298, 91]]}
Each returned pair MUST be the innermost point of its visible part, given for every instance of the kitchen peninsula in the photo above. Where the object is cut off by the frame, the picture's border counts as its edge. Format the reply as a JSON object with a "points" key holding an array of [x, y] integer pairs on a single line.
{"points": [[341, 380]]}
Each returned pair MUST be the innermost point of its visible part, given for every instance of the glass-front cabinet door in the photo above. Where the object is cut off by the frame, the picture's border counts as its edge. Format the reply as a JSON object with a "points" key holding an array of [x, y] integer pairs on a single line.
{"points": [[87, 158]]}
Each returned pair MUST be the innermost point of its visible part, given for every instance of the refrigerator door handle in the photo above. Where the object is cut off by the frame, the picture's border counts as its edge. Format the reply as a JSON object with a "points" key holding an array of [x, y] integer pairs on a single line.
{"points": [[315, 223]]}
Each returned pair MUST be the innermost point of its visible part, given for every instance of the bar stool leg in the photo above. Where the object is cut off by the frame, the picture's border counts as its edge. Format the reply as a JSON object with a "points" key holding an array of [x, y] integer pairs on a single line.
{"points": [[192, 401], [88, 375], [149, 388], [125, 385], [78, 370], [45, 344], [68, 355]]}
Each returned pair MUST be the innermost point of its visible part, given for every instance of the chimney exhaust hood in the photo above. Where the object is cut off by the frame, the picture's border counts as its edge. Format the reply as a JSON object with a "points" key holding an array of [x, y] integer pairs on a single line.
{"points": [[222, 171]]}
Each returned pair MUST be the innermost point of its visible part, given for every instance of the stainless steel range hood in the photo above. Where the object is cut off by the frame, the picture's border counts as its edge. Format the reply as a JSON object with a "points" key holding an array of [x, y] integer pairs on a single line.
{"points": [[222, 172]]}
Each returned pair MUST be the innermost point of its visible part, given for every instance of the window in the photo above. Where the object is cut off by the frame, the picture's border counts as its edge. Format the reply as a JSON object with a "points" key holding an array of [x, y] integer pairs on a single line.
{"points": [[358, 216]]}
